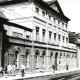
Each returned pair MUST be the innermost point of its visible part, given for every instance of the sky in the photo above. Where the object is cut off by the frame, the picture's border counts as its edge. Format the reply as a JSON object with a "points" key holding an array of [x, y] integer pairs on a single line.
{"points": [[71, 9]]}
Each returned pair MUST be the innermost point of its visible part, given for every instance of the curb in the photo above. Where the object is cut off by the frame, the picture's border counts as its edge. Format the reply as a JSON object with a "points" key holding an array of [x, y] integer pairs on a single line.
{"points": [[71, 72]]}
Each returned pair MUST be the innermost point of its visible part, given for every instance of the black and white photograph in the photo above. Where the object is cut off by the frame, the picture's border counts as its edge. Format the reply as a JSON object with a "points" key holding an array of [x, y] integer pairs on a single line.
{"points": [[39, 39]]}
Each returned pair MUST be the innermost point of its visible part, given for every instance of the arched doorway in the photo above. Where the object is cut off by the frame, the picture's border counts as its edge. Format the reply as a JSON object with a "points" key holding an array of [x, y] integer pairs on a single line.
{"points": [[56, 55], [27, 55], [37, 59], [16, 57]]}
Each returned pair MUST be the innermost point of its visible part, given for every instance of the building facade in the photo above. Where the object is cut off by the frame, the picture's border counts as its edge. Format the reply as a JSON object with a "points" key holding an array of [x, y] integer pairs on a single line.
{"points": [[37, 36]]}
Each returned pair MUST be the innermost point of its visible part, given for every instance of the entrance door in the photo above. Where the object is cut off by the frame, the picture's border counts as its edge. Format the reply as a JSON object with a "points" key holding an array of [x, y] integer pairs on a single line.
{"points": [[16, 59], [56, 61]]}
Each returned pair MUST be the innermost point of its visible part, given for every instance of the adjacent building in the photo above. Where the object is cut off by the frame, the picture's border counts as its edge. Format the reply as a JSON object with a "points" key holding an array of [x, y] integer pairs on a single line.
{"points": [[37, 36]]}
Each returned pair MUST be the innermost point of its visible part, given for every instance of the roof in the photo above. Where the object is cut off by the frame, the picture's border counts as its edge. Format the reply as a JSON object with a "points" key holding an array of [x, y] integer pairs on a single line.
{"points": [[49, 2], [2, 15], [41, 2]]}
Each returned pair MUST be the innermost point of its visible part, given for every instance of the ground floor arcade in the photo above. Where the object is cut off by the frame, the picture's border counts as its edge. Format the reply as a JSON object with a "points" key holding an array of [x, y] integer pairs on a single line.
{"points": [[38, 59]]}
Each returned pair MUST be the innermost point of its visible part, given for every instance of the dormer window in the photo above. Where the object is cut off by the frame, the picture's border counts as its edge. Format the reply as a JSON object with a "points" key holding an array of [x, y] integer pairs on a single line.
{"points": [[37, 10], [62, 24], [54, 19], [58, 22], [66, 26], [49, 16], [43, 13]]}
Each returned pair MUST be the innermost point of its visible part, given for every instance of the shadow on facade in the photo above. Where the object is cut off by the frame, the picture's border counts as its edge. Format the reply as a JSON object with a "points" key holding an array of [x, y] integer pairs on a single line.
{"points": [[4, 38]]}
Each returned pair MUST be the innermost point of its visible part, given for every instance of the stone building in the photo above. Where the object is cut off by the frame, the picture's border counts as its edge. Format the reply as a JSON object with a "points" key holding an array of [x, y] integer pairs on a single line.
{"points": [[37, 36], [74, 38]]}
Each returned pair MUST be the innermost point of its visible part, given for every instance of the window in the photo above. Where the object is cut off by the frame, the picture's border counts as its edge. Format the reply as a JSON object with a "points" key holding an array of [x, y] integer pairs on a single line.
{"points": [[72, 55], [37, 30], [62, 24], [37, 59], [37, 10], [59, 37], [43, 33], [66, 26], [43, 58], [16, 59], [63, 38], [66, 39], [51, 55], [27, 37], [60, 55], [27, 58], [37, 33], [43, 13], [50, 34], [49, 16], [54, 36], [75, 55], [58, 22], [54, 19]]}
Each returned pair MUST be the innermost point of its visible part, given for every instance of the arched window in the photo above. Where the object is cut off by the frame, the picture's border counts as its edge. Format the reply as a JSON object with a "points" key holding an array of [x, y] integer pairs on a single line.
{"points": [[27, 58], [43, 58], [37, 59], [60, 55], [16, 55], [64, 54], [75, 55], [67, 55]]}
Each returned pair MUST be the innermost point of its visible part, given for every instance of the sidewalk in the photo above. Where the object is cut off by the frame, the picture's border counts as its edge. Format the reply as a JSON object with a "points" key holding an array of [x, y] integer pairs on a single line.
{"points": [[32, 75]]}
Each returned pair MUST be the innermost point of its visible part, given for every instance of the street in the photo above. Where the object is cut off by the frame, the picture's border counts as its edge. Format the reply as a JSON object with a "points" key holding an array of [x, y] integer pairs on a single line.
{"points": [[67, 76]]}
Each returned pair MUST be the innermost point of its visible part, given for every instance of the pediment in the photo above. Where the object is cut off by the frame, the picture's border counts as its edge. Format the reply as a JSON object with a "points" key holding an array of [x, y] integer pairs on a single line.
{"points": [[55, 5]]}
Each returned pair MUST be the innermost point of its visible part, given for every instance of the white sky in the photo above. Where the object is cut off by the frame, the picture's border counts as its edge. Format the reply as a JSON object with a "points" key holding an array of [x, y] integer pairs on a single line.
{"points": [[71, 9]]}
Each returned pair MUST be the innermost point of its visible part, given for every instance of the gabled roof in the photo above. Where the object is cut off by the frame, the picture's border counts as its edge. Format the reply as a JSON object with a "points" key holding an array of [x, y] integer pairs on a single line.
{"points": [[41, 2], [55, 2]]}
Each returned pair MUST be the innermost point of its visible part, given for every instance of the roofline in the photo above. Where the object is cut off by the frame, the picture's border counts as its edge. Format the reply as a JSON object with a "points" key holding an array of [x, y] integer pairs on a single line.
{"points": [[38, 1], [12, 2], [3, 20], [47, 5]]}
